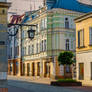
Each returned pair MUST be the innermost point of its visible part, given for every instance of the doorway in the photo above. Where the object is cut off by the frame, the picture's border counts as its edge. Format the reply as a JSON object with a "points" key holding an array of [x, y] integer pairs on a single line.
{"points": [[23, 68], [47, 69], [33, 69], [38, 69], [17, 65], [81, 71], [28, 69]]}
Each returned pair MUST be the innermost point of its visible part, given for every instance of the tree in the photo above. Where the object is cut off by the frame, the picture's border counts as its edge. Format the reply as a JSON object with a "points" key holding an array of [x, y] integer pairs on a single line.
{"points": [[66, 58]]}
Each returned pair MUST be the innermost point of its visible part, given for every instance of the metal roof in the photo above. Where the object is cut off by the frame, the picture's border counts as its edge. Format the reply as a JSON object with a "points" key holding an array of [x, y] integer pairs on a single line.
{"points": [[73, 5]]}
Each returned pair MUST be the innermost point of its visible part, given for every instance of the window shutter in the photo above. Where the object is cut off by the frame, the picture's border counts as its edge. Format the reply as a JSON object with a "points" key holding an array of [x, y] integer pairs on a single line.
{"points": [[79, 39]]}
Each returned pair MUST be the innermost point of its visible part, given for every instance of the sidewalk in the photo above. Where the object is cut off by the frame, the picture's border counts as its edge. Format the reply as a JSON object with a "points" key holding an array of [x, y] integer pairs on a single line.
{"points": [[31, 79]]}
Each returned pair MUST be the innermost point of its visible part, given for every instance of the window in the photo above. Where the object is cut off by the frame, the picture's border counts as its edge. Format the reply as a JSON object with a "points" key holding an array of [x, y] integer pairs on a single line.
{"points": [[29, 50], [67, 44], [32, 49], [90, 35], [37, 48], [80, 38], [17, 50], [11, 52], [68, 69], [38, 28], [66, 23], [44, 45], [25, 51], [45, 22], [81, 71], [91, 70], [42, 24], [40, 46]]}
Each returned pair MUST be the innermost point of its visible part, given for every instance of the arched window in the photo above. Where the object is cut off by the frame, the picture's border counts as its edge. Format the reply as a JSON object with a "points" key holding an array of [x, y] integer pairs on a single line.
{"points": [[66, 23], [67, 44]]}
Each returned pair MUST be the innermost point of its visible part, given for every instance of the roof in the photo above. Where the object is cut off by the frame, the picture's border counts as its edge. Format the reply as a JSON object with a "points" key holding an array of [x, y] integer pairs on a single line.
{"points": [[73, 5], [16, 19], [83, 17]]}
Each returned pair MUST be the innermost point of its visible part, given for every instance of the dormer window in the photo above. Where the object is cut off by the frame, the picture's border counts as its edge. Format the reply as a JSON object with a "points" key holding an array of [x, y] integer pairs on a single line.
{"points": [[67, 23]]}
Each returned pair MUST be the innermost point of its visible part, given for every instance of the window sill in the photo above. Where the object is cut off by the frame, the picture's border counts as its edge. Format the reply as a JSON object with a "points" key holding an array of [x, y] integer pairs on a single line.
{"points": [[81, 47]]}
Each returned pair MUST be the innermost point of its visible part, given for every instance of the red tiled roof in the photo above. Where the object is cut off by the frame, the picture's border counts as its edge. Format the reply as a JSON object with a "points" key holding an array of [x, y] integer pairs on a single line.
{"points": [[15, 19]]}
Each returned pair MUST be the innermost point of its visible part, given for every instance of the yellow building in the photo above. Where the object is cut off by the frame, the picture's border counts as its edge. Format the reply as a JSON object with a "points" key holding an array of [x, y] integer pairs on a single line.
{"points": [[84, 48]]}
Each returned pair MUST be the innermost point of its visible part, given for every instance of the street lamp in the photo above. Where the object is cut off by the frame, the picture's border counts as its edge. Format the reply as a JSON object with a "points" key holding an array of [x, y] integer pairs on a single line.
{"points": [[31, 33]]}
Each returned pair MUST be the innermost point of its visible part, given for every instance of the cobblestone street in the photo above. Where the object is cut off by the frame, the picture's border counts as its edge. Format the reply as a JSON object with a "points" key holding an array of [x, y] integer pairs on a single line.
{"points": [[25, 86]]}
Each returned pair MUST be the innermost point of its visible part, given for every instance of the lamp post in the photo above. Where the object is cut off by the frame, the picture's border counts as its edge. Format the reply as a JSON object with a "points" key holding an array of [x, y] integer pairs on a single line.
{"points": [[31, 34]]}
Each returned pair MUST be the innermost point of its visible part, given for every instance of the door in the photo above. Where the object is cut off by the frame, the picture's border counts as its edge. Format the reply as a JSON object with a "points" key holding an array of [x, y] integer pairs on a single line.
{"points": [[23, 69], [17, 65], [81, 71], [38, 69], [28, 69], [47, 69], [33, 69]]}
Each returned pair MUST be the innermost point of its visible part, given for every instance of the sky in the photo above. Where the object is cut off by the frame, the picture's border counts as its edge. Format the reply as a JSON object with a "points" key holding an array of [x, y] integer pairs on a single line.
{"points": [[86, 1], [20, 6]]}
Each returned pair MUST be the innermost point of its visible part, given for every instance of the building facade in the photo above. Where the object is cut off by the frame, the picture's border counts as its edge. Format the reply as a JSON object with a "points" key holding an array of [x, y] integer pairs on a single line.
{"points": [[55, 32], [3, 44], [84, 49], [14, 46]]}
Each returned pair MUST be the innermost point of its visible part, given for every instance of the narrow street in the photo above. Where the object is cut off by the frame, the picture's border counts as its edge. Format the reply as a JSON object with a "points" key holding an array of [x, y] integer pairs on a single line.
{"points": [[23, 86]]}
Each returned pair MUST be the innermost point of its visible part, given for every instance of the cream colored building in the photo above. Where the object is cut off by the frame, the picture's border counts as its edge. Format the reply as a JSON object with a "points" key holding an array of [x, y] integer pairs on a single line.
{"points": [[51, 37], [84, 49], [55, 32]]}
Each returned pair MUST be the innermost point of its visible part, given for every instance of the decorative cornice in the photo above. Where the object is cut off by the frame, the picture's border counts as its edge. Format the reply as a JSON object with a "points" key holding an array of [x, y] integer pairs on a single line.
{"points": [[5, 4], [83, 17]]}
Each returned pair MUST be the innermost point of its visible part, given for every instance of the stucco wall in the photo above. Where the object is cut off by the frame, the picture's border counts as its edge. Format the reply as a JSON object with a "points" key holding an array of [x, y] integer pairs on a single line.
{"points": [[86, 58]]}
